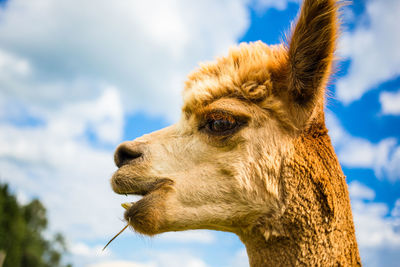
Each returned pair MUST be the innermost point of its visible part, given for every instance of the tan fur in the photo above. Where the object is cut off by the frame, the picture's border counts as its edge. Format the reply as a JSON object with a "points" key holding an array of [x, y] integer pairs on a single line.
{"points": [[275, 180]]}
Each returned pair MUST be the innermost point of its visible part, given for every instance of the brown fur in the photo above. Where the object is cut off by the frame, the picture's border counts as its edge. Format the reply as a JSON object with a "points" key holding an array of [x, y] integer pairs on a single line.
{"points": [[316, 227], [274, 180]]}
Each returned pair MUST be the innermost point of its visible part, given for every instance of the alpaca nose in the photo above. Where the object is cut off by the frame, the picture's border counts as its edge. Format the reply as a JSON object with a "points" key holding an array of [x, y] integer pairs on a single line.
{"points": [[127, 152]]}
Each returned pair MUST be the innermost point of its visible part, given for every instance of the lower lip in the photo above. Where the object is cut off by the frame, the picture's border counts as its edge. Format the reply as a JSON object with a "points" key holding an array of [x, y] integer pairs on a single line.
{"points": [[128, 205]]}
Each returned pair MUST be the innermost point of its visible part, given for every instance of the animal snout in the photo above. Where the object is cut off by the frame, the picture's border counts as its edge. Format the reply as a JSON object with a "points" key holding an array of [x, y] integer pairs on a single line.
{"points": [[127, 152]]}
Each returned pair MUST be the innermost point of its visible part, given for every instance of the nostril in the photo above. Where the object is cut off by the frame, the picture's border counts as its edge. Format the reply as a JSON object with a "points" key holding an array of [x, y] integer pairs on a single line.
{"points": [[126, 153]]}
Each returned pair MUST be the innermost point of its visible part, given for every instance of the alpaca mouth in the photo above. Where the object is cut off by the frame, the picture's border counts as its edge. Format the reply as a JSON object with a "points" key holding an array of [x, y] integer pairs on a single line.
{"points": [[140, 187], [138, 197]]}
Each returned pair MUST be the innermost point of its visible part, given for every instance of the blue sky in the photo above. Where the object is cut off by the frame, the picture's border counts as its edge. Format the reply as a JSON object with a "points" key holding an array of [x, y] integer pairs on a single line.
{"points": [[74, 82]]}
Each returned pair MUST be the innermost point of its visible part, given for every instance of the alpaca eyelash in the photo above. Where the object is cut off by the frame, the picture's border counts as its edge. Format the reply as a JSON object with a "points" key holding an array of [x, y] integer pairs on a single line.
{"points": [[221, 116], [238, 122], [215, 115]]}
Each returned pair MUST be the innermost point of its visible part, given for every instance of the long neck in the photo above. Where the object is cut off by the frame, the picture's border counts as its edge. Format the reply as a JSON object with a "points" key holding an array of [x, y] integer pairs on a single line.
{"points": [[276, 251], [316, 227], [301, 249]]}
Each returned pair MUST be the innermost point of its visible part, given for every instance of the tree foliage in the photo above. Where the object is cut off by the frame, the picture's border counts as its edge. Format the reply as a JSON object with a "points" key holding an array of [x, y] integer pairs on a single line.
{"points": [[21, 234]]}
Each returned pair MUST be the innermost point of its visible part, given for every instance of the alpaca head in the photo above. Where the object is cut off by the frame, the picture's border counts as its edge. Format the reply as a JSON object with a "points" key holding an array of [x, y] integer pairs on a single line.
{"points": [[220, 166]]}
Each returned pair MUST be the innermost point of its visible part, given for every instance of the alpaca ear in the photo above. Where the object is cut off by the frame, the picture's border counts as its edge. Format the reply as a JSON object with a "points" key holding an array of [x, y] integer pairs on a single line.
{"points": [[310, 53]]}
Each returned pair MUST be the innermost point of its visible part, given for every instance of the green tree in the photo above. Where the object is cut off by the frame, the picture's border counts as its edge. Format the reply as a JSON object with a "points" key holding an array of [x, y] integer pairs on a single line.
{"points": [[21, 234]]}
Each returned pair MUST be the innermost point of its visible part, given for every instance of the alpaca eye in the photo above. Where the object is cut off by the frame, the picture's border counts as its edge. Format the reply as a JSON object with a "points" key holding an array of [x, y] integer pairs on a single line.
{"points": [[221, 126], [222, 123]]}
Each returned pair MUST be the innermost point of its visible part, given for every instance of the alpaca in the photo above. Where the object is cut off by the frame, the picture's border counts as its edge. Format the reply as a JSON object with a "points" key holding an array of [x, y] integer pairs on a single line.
{"points": [[251, 154]]}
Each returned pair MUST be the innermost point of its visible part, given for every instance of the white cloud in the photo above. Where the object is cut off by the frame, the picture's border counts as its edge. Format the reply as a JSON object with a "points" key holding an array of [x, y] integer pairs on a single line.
{"points": [[396, 209], [82, 249], [56, 162], [383, 157], [378, 240], [145, 48], [192, 236], [372, 48], [373, 229], [359, 191], [61, 53], [240, 259], [390, 102], [104, 117], [262, 5], [166, 258], [117, 263], [22, 198], [177, 259], [10, 65]]}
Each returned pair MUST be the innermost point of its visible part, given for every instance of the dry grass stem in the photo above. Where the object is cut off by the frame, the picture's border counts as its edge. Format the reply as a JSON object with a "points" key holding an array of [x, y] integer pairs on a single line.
{"points": [[112, 239]]}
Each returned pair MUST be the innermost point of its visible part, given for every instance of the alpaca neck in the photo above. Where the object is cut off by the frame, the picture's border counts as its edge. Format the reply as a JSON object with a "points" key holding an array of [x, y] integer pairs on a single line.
{"points": [[276, 251], [316, 227], [301, 248]]}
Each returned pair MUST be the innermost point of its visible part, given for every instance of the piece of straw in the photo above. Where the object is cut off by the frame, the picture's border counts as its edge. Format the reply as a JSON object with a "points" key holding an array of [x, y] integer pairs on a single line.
{"points": [[123, 229]]}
